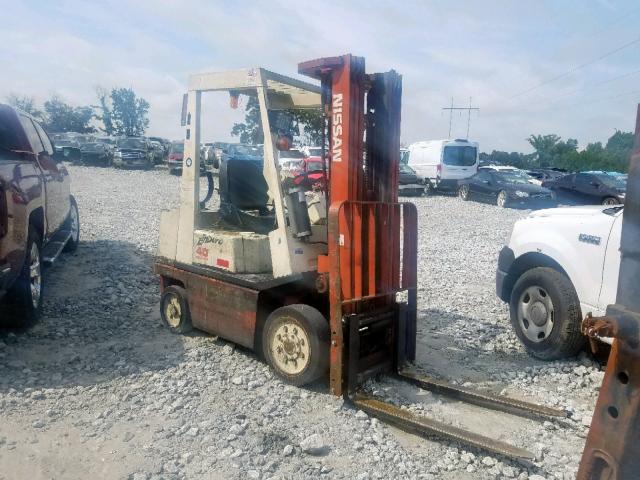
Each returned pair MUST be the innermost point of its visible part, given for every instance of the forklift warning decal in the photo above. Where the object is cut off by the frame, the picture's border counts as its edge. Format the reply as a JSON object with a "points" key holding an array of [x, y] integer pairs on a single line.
{"points": [[336, 148]]}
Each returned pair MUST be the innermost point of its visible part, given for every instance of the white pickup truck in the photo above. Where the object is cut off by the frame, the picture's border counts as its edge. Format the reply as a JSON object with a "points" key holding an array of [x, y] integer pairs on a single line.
{"points": [[560, 265]]}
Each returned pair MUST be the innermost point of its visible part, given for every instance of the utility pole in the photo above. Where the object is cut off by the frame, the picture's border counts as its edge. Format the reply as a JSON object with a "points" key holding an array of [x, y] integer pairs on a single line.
{"points": [[468, 109]]}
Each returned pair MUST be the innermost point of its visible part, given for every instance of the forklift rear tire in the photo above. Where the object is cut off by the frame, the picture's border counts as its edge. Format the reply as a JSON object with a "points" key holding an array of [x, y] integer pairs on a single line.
{"points": [[296, 343], [174, 309]]}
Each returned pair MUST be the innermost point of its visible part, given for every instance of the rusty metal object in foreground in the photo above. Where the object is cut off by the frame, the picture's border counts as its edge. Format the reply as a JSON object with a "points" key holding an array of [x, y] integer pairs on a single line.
{"points": [[612, 450], [613, 443]]}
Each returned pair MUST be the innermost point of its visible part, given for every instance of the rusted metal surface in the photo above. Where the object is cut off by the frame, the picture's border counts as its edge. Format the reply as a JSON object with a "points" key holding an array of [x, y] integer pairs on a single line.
{"points": [[612, 450], [217, 307], [408, 421], [364, 233], [482, 399], [362, 295]]}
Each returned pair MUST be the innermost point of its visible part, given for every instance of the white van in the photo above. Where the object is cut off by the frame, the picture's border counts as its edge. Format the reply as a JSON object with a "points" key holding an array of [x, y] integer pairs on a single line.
{"points": [[442, 163]]}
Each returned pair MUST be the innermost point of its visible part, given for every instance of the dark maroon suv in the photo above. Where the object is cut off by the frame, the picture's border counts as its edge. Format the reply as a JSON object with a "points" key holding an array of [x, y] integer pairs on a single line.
{"points": [[38, 215]]}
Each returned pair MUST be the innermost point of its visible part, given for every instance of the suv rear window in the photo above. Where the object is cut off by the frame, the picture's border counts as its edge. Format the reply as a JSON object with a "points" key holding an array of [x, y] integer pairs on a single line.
{"points": [[459, 156]]}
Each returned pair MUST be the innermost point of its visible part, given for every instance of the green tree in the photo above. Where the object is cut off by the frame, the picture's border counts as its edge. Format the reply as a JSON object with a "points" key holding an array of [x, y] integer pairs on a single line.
{"points": [[620, 142], [544, 146], [104, 108], [127, 115], [310, 123], [251, 130], [62, 117], [307, 122], [24, 103]]}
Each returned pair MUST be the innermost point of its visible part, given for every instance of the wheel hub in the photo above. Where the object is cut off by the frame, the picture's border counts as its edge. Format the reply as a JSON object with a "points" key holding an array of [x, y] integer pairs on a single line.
{"points": [[538, 313], [290, 347], [173, 311], [535, 314]]}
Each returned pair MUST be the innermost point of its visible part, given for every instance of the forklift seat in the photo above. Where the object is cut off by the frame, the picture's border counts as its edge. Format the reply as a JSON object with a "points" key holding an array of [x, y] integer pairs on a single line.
{"points": [[242, 184]]}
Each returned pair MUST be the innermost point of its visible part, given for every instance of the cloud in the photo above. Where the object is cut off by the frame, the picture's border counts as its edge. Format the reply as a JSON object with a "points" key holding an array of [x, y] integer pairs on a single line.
{"points": [[489, 51]]}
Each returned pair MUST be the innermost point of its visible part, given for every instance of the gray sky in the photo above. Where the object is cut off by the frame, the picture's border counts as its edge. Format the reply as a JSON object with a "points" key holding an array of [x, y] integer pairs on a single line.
{"points": [[493, 51]]}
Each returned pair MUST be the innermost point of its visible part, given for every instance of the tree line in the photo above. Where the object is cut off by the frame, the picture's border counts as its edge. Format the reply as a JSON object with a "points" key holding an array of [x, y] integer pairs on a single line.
{"points": [[551, 151], [120, 112]]}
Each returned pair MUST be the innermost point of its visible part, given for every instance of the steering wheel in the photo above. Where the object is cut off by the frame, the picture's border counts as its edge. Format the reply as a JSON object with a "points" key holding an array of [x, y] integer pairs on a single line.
{"points": [[210, 189]]}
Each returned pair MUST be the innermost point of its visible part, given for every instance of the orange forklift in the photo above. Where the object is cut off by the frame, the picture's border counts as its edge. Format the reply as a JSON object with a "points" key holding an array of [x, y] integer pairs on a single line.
{"points": [[316, 280]]}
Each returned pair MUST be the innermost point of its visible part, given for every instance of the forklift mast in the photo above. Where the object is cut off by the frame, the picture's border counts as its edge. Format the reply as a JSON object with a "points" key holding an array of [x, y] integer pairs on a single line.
{"points": [[368, 326]]}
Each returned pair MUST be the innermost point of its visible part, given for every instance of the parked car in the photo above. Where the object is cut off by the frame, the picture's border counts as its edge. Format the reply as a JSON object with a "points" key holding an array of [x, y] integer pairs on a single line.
{"points": [[410, 183], [38, 215], [559, 265], [67, 148], [97, 153], [506, 188], [175, 157], [241, 151], [157, 151], [162, 141], [133, 152], [291, 154], [589, 188], [444, 163], [313, 151], [546, 174], [310, 172], [509, 168]]}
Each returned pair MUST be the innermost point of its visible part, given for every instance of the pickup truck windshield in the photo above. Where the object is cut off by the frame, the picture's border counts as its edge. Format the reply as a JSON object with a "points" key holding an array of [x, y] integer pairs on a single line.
{"points": [[460, 156]]}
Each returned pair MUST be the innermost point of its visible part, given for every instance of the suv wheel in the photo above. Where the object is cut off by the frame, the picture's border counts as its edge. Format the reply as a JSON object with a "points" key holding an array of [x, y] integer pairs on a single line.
{"points": [[545, 314], [25, 296]]}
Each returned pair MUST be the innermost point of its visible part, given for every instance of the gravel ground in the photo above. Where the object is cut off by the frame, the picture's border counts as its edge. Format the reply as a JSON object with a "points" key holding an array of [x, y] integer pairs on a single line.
{"points": [[99, 389]]}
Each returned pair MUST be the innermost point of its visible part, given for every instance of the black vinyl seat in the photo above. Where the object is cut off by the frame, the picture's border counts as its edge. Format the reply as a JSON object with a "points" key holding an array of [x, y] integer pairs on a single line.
{"points": [[242, 184]]}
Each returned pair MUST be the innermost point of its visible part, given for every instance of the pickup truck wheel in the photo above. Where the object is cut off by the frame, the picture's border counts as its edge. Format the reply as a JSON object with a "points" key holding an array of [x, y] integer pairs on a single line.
{"points": [[73, 225], [295, 343], [174, 309], [545, 314], [502, 199], [25, 296], [464, 192]]}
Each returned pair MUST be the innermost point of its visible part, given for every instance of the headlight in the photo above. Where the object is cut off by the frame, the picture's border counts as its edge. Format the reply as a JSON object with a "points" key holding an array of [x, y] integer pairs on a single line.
{"points": [[521, 194]]}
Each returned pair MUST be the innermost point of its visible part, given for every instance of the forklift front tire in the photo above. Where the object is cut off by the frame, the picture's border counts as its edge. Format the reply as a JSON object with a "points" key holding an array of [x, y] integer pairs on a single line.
{"points": [[296, 343], [174, 309]]}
